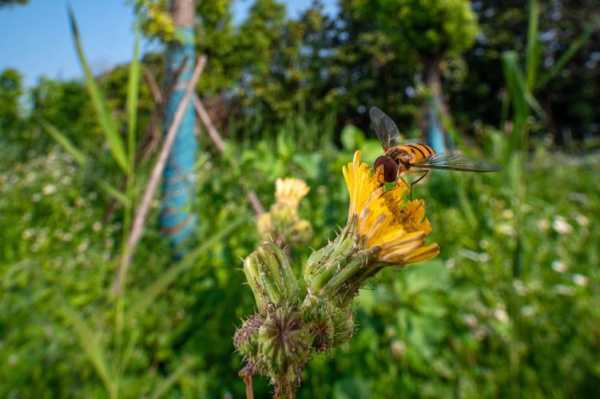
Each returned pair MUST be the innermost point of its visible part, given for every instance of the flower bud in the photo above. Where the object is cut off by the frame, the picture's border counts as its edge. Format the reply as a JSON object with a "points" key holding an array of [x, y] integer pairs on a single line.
{"points": [[271, 277], [245, 339], [323, 264], [338, 270], [343, 322], [284, 343], [330, 325]]}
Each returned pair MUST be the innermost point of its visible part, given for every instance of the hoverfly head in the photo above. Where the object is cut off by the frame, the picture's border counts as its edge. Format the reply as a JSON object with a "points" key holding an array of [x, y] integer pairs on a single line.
{"points": [[390, 168]]}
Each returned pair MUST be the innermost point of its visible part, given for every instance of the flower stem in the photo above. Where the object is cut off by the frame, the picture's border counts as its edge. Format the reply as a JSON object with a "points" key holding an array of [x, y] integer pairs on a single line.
{"points": [[246, 375], [348, 273], [284, 390]]}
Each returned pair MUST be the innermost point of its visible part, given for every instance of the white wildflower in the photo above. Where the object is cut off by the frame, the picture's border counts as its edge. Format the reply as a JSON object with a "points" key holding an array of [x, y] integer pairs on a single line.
{"points": [[561, 226], [543, 224], [470, 320], [559, 266], [501, 315], [398, 349], [49, 189], [580, 280], [507, 214], [506, 229], [519, 287], [27, 234], [528, 311], [562, 289], [83, 246], [582, 220]]}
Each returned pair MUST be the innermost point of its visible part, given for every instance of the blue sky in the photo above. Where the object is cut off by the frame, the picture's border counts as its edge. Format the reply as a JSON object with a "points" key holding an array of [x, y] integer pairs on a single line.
{"points": [[35, 38]]}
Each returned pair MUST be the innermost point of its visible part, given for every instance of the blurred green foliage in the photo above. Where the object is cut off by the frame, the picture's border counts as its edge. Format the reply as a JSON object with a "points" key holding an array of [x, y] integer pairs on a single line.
{"points": [[11, 90], [431, 28], [459, 325]]}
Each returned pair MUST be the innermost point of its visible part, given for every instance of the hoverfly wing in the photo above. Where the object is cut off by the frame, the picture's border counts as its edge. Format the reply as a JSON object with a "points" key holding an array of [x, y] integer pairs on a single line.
{"points": [[384, 127], [455, 161]]}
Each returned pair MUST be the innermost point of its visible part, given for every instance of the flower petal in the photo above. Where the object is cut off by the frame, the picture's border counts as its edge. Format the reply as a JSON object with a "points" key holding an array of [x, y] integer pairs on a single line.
{"points": [[385, 220]]}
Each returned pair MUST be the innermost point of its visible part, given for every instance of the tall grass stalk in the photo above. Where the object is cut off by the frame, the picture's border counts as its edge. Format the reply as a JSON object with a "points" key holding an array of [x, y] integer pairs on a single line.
{"points": [[521, 87], [105, 119]]}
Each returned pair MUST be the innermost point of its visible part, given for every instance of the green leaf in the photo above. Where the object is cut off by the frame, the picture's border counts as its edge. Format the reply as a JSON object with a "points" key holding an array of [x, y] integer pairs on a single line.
{"points": [[90, 343], [352, 137], [64, 142], [105, 119]]}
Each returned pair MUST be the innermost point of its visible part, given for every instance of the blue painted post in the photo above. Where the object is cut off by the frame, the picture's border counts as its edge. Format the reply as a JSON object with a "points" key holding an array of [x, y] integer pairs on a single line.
{"points": [[436, 138], [435, 134], [176, 219]]}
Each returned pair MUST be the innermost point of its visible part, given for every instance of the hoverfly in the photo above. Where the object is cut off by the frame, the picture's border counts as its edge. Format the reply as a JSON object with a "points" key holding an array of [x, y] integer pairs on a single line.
{"points": [[401, 158]]}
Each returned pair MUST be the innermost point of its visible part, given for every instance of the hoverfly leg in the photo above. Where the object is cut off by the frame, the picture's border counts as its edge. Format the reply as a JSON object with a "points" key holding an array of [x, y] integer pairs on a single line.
{"points": [[403, 181], [416, 181], [406, 184]]}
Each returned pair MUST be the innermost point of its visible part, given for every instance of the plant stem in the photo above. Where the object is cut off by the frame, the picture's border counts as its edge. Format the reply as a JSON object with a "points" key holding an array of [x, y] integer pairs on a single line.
{"points": [[284, 390], [246, 374]]}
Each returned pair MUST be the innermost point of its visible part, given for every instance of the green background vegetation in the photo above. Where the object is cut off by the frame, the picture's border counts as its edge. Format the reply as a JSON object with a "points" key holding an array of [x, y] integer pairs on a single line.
{"points": [[510, 308]]}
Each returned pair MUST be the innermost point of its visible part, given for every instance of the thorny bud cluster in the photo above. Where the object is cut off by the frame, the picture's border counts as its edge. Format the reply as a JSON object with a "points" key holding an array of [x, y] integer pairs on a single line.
{"points": [[290, 325]]}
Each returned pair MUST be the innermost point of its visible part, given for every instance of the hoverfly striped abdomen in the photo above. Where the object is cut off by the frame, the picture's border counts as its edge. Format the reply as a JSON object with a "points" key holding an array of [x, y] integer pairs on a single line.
{"points": [[418, 152]]}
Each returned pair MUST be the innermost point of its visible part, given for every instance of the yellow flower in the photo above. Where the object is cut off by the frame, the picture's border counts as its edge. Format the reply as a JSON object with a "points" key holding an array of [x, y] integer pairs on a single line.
{"points": [[290, 191], [282, 223], [264, 224], [385, 221]]}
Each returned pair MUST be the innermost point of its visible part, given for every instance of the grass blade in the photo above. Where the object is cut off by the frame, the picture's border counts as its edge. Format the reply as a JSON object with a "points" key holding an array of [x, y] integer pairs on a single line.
{"points": [[516, 90], [153, 291], [567, 55], [132, 101], [106, 121], [90, 343], [115, 193], [532, 59], [65, 143], [517, 87], [164, 387]]}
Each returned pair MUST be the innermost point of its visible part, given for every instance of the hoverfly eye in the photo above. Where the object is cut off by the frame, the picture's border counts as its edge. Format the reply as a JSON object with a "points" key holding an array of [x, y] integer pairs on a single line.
{"points": [[390, 168]]}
